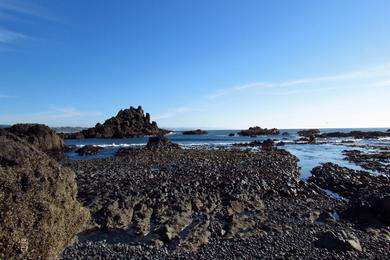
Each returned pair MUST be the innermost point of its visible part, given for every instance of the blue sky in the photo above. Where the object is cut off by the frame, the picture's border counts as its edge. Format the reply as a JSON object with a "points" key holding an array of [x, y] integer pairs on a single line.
{"points": [[197, 63]]}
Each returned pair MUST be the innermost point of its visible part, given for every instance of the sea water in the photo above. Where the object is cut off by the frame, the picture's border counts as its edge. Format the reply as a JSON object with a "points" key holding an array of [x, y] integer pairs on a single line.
{"points": [[310, 155]]}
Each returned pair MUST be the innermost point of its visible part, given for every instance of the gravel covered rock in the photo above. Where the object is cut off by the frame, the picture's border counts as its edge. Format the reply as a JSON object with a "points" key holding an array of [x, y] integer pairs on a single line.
{"points": [[39, 213]]}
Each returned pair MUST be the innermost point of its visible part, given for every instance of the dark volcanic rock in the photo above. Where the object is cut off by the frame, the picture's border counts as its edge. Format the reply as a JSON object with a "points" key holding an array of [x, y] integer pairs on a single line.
{"points": [[41, 136], [39, 213], [89, 150], [195, 132], [356, 134], [130, 122], [231, 134], [173, 190], [379, 162], [309, 132], [339, 241], [368, 195], [255, 131], [160, 142], [228, 204], [268, 145]]}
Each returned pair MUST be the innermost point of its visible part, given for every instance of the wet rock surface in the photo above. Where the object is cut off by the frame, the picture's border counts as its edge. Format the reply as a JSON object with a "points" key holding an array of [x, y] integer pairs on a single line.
{"points": [[368, 195], [195, 132], [374, 161], [88, 150], [39, 213], [309, 132], [41, 136], [131, 122], [222, 204], [255, 131], [161, 142]]}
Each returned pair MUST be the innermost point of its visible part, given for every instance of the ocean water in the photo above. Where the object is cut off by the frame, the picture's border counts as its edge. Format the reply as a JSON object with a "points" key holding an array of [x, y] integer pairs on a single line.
{"points": [[310, 155]]}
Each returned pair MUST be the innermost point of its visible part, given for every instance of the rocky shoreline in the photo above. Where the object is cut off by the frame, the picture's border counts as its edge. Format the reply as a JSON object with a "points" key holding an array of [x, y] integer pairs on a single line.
{"points": [[198, 204], [160, 201]]}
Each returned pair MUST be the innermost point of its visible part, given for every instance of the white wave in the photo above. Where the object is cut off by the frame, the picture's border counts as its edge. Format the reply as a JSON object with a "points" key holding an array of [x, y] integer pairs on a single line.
{"points": [[111, 145]]}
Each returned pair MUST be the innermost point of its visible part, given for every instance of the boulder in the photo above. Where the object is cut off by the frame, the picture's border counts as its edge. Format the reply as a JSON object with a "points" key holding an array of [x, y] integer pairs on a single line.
{"points": [[40, 214], [89, 150], [255, 131], [231, 134], [341, 241], [267, 145], [160, 142], [41, 136], [195, 132]]}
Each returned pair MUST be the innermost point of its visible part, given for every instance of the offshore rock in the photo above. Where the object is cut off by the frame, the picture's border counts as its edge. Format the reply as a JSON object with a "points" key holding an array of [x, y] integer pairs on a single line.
{"points": [[131, 122], [309, 132], [39, 213], [195, 132], [255, 131]]}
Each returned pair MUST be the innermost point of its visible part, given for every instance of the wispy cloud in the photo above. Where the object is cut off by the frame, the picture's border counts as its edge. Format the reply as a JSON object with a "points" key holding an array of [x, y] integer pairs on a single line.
{"points": [[3, 96], [372, 73], [377, 76], [15, 8], [7, 36]]}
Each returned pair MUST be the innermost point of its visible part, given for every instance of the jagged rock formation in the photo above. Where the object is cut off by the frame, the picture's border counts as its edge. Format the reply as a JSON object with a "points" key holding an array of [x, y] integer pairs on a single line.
{"points": [[131, 122], [255, 131], [41, 136], [39, 213]]}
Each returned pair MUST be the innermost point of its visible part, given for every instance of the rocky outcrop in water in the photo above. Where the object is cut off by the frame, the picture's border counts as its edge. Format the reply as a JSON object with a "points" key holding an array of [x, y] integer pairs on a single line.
{"points": [[88, 150], [131, 122], [255, 131], [309, 132], [41, 136], [368, 195], [195, 132], [356, 134], [374, 161], [39, 213]]}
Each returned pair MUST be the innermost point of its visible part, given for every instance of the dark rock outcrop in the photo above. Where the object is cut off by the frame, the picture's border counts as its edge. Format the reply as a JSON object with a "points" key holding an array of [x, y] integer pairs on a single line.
{"points": [[127, 123], [309, 132], [41, 136], [89, 150], [368, 195], [341, 241], [195, 132], [255, 131], [231, 134], [39, 213], [268, 145], [356, 134], [379, 161], [160, 142]]}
